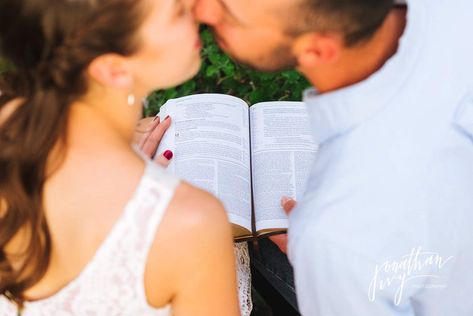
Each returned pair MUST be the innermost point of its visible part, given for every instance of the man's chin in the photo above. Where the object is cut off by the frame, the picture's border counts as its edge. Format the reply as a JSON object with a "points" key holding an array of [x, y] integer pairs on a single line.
{"points": [[259, 66], [254, 64], [223, 46], [236, 59], [226, 49]]}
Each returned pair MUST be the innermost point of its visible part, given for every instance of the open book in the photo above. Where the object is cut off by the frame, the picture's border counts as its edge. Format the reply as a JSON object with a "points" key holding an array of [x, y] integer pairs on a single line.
{"points": [[249, 157]]}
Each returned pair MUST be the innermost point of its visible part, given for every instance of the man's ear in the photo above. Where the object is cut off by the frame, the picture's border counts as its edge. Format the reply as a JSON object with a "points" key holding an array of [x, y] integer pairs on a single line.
{"points": [[111, 70], [316, 49]]}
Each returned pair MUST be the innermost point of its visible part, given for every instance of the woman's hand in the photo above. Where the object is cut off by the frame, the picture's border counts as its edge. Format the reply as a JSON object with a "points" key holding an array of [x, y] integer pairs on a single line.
{"points": [[149, 133]]}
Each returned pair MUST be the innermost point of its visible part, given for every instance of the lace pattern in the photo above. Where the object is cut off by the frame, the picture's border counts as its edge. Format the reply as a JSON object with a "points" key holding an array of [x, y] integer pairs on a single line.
{"points": [[244, 277]]}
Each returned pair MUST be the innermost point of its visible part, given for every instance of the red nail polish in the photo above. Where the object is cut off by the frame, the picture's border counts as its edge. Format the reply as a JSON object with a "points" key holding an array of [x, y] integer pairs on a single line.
{"points": [[168, 154]]}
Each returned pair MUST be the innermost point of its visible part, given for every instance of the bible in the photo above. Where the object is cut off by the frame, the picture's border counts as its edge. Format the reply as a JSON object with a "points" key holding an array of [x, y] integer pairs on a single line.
{"points": [[248, 157]]}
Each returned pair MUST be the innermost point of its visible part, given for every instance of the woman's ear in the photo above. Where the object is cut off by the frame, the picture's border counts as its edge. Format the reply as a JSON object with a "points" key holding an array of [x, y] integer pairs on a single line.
{"points": [[316, 49], [111, 70]]}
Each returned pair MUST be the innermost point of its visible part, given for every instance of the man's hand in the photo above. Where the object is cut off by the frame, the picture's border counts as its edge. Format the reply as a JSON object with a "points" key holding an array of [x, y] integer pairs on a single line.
{"points": [[149, 133], [281, 240]]}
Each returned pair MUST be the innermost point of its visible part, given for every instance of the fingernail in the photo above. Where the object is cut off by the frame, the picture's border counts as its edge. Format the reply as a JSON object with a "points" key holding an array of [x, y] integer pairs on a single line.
{"points": [[284, 200], [166, 117], [156, 118], [168, 154]]}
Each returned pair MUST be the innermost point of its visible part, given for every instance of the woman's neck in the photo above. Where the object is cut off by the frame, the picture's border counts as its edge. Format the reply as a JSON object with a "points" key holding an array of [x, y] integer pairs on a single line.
{"points": [[111, 113]]}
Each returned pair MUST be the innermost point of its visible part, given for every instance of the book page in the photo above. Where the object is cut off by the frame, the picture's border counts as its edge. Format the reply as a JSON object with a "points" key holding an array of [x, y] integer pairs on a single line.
{"points": [[282, 151], [209, 136]]}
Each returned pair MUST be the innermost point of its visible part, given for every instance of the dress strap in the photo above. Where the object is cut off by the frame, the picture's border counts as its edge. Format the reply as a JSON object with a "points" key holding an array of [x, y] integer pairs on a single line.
{"points": [[160, 187]]}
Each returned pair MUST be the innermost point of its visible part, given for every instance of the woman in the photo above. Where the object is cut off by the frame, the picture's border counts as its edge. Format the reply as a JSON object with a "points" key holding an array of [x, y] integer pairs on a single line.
{"points": [[87, 225]]}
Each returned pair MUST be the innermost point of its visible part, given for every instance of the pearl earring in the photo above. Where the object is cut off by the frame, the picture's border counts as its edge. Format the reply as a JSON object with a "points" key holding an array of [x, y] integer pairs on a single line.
{"points": [[131, 99]]}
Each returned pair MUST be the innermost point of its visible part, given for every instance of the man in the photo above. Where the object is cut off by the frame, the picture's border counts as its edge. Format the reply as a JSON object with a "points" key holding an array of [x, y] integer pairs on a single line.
{"points": [[384, 227]]}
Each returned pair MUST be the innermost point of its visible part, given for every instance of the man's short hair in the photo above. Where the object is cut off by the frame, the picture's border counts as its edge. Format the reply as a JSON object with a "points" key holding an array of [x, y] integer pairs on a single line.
{"points": [[357, 20]]}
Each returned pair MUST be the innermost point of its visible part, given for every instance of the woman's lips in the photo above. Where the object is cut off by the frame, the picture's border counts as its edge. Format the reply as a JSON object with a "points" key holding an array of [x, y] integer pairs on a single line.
{"points": [[198, 44]]}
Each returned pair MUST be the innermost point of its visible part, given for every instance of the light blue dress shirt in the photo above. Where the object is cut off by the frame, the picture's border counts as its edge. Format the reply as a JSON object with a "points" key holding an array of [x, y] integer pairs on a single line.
{"points": [[386, 224]]}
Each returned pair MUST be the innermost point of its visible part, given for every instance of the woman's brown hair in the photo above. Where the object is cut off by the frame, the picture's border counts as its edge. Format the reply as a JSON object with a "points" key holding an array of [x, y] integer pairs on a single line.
{"points": [[50, 43]]}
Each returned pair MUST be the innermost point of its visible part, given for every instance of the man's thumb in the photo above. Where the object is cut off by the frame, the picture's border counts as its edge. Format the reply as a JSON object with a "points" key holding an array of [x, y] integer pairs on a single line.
{"points": [[287, 204]]}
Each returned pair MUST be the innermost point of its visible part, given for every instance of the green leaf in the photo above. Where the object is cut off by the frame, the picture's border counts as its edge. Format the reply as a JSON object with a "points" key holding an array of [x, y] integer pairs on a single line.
{"points": [[212, 71]]}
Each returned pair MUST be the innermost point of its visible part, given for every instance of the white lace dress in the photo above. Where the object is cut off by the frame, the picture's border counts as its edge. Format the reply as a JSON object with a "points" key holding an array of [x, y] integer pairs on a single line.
{"points": [[112, 282]]}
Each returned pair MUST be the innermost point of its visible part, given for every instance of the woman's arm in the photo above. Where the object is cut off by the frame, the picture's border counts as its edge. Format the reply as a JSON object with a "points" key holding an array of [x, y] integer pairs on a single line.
{"points": [[193, 254]]}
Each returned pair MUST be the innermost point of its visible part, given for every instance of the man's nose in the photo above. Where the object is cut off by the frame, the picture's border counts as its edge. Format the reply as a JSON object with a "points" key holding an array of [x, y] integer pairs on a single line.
{"points": [[208, 11]]}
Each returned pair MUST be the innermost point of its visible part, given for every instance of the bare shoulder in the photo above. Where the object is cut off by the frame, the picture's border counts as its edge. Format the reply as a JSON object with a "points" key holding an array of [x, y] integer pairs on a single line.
{"points": [[194, 216], [196, 208], [194, 228]]}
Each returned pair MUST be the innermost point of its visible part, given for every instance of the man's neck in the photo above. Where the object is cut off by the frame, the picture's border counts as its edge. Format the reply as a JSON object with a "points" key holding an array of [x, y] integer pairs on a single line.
{"points": [[358, 63]]}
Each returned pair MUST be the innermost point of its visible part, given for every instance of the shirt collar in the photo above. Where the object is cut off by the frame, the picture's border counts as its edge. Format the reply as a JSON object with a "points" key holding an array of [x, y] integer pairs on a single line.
{"points": [[335, 112]]}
